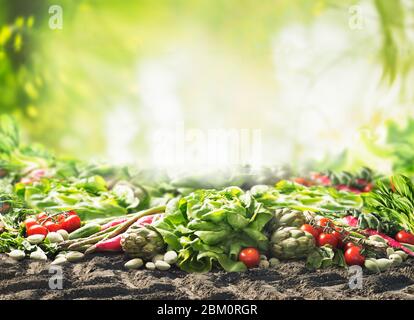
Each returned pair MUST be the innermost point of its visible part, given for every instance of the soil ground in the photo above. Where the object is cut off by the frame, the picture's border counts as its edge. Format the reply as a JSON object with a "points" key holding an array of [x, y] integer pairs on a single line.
{"points": [[104, 277]]}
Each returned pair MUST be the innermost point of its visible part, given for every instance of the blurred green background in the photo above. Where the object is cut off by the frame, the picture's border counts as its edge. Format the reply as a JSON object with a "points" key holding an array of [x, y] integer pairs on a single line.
{"points": [[326, 82]]}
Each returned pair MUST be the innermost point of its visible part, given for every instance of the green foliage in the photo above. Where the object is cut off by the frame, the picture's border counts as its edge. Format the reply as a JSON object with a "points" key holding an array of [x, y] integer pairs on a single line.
{"points": [[90, 197], [393, 202], [401, 142], [395, 52], [324, 257], [65, 81], [211, 226], [9, 134], [317, 198]]}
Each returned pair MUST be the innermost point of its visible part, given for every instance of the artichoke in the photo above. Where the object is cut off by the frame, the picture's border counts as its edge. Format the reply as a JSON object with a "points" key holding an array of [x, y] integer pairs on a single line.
{"points": [[291, 243], [142, 242], [286, 217]]}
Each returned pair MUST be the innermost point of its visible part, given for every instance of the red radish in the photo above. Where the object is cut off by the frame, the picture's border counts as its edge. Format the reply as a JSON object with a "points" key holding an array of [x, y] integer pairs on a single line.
{"points": [[113, 223], [393, 243], [324, 180], [113, 244], [361, 181], [342, 187], [351, 221], [355, 190], [108, 245], [148, 219]]}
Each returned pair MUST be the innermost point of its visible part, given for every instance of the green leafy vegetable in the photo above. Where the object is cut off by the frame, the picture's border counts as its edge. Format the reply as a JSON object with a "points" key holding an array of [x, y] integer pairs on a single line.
{"points": [[299, 197], [393, 203], [323, 257], [209, 227]]}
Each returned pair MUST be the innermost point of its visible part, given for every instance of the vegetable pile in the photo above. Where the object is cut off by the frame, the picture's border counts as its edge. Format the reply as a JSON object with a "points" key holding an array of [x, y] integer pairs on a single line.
{"points": [[64, 210]]}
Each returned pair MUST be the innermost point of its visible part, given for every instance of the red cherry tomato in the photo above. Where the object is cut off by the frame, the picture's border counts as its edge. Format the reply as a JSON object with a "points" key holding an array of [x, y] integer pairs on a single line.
{"points": [[349, 245], [308, 228], [37, 229], [353, 256], [71, 223], [51, 226], [60, 218], [42, 215], [338, 236], [29, 222], [323, 222], [341, 230], [327, 239], [72, 213], [404, 236], [42, 218], [250, 257]]}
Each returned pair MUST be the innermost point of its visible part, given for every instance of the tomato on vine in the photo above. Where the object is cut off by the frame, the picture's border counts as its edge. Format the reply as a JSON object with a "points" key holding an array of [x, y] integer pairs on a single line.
{"points": [[327, 239], [71, 223], [37, 229], [308, 228]]}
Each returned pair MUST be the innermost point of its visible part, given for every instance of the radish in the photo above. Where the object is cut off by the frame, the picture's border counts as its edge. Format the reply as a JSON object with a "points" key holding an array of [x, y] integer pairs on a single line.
{"points": [[353, 222], [108, 245], [113, 223], [393, 243], [148, 219]]}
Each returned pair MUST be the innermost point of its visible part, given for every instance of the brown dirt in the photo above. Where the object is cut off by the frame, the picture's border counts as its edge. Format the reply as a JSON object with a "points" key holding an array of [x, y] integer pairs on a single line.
{"points": [[104, 277]]}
